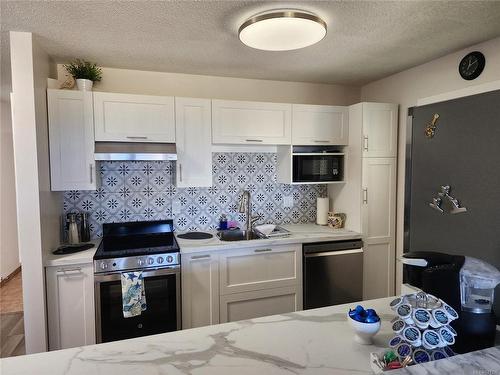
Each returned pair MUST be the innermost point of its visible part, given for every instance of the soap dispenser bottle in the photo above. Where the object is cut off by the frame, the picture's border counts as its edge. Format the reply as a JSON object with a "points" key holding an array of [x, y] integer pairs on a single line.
{"points": [[223, 222]]}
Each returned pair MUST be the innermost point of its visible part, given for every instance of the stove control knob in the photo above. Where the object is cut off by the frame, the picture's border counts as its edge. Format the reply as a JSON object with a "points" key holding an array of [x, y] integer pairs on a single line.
{"points": [[140, 262], [159, 260], [104, 266], [170, 259], [150, 261]]}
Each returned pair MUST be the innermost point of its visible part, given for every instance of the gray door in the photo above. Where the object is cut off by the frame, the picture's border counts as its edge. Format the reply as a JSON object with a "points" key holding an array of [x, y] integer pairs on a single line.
{"points": [[464, 154]]}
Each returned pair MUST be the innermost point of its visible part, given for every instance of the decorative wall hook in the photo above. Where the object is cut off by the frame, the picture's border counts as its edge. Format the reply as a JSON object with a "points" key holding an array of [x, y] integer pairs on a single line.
{"points": [[453, 202], [430, 129]]}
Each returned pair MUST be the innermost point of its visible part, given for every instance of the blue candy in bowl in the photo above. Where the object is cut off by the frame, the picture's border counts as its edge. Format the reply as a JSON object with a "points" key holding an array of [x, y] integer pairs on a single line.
{"points": [[366, 323]]}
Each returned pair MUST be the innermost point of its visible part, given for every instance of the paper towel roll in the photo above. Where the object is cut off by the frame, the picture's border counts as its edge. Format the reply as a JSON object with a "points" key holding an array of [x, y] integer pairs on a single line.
{"points": [[322, 208]]}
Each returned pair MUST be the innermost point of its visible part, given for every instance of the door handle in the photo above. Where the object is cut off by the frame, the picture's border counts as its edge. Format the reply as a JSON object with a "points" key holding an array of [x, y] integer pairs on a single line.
{"points": [[365, 143], [69, 271], [253, 140], [194, 257], [136, 137], [262, 250], [321, 141], [365, 195]]}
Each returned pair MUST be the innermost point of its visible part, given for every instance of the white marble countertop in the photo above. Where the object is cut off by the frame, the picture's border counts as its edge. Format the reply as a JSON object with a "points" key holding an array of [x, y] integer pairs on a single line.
{"points": [[82, 257], [307, 342], [301, 233]]}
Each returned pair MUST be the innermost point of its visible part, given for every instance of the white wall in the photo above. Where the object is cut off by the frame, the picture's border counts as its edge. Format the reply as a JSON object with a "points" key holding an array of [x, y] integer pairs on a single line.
{"points": [[191, 85], [9, 252], [38, 209], [433, 78]]}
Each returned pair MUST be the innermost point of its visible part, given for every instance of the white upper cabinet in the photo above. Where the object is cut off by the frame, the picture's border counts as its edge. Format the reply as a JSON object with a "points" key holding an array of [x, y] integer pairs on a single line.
{"points": [[71, 140], [194, 142], [241, 122], [320, 125], [380, 130], [134, 118]]}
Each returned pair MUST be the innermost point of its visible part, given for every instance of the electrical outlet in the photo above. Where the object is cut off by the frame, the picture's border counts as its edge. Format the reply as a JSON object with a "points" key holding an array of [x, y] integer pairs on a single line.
{"points": [[176, 207], [288, 201]]}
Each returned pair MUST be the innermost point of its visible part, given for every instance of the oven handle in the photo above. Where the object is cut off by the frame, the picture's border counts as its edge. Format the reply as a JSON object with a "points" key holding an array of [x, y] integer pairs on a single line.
{"points": [[112, 276]]}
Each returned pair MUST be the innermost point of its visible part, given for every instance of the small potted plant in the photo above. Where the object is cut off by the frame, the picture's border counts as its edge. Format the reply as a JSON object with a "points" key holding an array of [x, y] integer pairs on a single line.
{"points": [[85, 73]]}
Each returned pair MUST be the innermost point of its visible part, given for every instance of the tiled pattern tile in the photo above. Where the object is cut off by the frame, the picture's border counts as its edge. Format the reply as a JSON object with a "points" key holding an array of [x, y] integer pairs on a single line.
{"points": [[132, 191]]}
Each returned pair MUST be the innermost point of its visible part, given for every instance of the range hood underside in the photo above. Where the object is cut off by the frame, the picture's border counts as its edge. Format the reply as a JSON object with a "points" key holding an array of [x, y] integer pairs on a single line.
{"points": [[135, 151]]}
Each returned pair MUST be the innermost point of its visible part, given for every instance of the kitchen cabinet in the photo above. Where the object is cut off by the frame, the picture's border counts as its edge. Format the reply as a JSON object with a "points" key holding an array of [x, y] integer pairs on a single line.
{"points": [[200, 289], [320, 125], [380, 129], [378, 224], [71, 140], [259, 268], [70, 305], [193, 128], [249, 305], [242, 122], [134, 118]]}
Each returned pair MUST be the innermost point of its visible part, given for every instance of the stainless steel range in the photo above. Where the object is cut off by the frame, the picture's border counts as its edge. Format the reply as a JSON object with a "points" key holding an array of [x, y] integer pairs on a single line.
{"points": [[147, 246]]}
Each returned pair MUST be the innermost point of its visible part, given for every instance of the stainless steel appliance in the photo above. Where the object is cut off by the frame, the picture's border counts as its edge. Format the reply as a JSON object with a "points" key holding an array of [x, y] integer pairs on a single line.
{"points": [[333, 273], [317, 164], [147, 246]]}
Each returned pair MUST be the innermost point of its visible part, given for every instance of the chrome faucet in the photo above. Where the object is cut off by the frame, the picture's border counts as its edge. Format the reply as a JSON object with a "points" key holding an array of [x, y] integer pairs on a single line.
{"points": [[246, 208]]}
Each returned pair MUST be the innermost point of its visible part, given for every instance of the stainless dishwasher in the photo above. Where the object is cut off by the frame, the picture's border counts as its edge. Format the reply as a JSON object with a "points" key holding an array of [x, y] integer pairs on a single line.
{"points": [[333, 273]]}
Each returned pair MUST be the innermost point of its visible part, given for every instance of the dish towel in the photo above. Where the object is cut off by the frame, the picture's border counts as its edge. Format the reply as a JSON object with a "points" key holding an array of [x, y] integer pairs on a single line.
{"points": [[133, 294]]}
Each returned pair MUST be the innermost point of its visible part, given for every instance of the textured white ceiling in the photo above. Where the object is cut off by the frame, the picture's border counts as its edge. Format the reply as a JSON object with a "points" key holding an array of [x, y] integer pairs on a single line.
{"points": [[366, 40]]}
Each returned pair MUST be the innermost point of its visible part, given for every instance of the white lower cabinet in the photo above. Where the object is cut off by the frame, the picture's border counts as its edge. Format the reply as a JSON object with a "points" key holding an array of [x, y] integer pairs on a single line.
{"points": [[249, 305], [238, 284], [200, 289], [70, 305]]}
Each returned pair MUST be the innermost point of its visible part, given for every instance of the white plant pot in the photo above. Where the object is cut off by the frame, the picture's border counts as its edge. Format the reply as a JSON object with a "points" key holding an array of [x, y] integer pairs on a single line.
{"points": [[84, 84]]}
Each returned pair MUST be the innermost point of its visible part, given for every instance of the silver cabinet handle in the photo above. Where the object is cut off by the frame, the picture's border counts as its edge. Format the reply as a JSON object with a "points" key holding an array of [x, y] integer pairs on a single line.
{"points": [[67, 271], [206, 256], [91, 173], [180, 172], [365, 195], [321, 141], [136, 137], [254, 140], [262, 250], [365, 145]]}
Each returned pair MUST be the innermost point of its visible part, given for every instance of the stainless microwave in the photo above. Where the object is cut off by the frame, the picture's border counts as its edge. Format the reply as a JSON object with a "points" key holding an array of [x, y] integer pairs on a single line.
{"points": [[320, 165]]}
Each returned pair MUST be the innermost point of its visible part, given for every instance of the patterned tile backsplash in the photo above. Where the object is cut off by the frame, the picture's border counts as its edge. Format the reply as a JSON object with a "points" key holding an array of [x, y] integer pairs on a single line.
{"points": [[132, 191]]}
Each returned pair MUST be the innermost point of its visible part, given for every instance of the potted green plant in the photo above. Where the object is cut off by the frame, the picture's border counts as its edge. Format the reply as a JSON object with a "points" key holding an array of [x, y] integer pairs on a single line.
{"points": [[85, 73]]}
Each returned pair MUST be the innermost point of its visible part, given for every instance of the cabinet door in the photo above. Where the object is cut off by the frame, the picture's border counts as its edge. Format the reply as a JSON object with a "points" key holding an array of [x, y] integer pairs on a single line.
{"points": [[260, 268], [193, 128], [70, 306], [380, 130], [71, 140], [249, 305], [378, 226], [200, 290], [238, 122], [319, 125], [133, 118]]}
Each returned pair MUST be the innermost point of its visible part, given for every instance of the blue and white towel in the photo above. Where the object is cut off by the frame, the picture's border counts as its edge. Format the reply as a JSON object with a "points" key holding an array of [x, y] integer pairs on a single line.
{"points": [[133, 294]]}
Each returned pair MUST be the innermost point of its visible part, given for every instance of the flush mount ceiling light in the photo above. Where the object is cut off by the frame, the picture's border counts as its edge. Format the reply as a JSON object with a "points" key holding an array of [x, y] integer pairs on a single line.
{"points": [[282, 30]]}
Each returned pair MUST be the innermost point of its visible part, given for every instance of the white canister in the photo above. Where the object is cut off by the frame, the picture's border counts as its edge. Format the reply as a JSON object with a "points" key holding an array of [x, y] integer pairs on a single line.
{"points": [[322, 207], [84, 84]]}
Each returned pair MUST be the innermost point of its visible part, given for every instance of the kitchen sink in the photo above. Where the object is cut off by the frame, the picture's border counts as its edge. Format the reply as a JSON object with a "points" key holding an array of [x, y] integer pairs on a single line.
{"points": [[236, 235]]}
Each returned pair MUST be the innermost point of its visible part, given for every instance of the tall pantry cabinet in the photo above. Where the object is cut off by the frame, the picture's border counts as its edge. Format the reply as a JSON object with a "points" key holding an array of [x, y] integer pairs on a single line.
{"points": [[369, 196]]}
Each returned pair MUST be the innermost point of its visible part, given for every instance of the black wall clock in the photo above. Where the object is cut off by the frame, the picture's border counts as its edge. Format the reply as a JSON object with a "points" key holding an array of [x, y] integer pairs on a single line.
{"points": [[472, 65]]}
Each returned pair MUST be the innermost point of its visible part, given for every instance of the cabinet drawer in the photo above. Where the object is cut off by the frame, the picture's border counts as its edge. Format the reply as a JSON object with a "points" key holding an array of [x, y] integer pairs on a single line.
{"points": [[260, 268], [249, 305]]}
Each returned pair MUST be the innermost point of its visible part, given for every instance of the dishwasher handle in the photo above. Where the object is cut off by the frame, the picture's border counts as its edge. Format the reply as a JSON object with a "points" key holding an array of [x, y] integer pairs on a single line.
{"points": [[324, 247]]}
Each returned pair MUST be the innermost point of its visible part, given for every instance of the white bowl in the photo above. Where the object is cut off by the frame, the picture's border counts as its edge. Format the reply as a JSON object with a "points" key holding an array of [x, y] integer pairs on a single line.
{"points": [[363, 332]]}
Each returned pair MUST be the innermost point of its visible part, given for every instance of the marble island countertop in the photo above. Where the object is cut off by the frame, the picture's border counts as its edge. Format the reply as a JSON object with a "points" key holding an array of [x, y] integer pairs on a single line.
{"points": [[308, 342], [300, 233]]}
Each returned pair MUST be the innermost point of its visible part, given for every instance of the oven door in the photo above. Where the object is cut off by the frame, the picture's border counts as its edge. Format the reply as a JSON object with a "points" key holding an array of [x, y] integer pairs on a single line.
{"points": [[163, 314], [318, 168]]}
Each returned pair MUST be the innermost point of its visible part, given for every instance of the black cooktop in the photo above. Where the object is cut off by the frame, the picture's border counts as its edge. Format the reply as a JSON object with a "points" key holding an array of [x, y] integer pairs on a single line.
{"points": [[137, 238]]}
